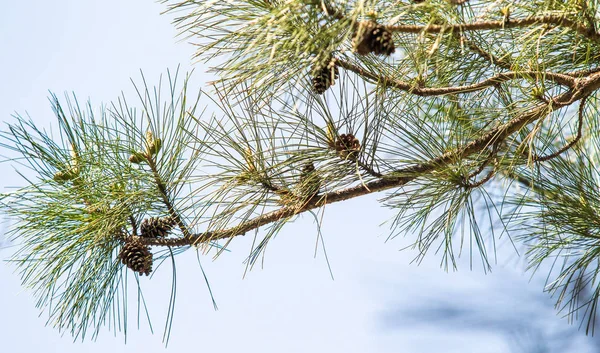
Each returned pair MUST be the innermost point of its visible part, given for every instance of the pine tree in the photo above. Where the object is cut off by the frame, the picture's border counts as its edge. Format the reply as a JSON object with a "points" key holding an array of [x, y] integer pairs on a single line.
{"points": [[477, 119]]}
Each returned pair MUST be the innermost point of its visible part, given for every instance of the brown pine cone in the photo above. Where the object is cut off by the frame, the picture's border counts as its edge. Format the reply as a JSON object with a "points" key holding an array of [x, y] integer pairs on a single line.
{"points": [[155, 227], [137, 256], [347, 146], [324, 77], [371, 37]]}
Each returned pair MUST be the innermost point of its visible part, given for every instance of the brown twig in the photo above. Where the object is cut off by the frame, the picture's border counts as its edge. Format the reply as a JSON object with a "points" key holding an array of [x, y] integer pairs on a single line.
{"points": [[482, 167], [269, 186], [484, 180], [501, 63], [560, 21], [485, 163], [561, 79], [133, 225], [331, 11], [589, 16], [582, 73], [568, 146]]}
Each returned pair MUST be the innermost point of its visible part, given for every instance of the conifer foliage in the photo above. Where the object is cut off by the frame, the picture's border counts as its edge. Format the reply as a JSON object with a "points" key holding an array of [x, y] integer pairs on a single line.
{"points": [[474, 121]]}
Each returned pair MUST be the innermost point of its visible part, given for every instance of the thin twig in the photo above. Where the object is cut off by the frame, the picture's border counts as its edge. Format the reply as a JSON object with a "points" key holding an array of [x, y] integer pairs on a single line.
{"points": [[165, 198], [501, 63], [560, 21], [568, 146], [484, 180], [485, 163], [269, 186], [331, 11], [582, 73], [561, 79], [589, 16]]}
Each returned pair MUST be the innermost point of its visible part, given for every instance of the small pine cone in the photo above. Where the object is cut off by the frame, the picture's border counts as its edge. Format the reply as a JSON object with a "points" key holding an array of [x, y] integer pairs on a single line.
{"points": [[155, 227], [137, 256], [383, 43], [137, 158], [324, 77], [361, 39], [347, 146], [310, 181], [371, 37], [64, 176]]}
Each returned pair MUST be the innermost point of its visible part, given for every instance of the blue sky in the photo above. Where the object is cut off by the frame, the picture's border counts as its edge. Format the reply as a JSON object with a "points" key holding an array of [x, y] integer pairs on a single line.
{"points": [[378, 302]]}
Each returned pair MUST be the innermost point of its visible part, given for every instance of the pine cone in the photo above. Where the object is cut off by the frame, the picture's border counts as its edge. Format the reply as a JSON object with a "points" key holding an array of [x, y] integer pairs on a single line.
{"points": [[371, 37], [155, 227], [137, 158], [137, 256], [324, 77], [310, 181], [383, 43], [347, 146]]}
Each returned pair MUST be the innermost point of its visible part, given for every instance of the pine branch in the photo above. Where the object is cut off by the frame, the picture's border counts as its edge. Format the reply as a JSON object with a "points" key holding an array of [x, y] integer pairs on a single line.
{"points": [[561, 79], [266, 156], [370, 170], [402, 176], [559, 21]]}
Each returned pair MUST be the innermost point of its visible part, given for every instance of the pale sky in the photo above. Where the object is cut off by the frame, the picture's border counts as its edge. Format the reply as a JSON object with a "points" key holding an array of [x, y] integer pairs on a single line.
{"points": [[378, 302]]}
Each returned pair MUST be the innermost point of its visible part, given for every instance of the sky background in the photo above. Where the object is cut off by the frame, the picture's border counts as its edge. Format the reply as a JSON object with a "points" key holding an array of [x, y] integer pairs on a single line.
{"points": [[378, 301]]}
